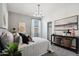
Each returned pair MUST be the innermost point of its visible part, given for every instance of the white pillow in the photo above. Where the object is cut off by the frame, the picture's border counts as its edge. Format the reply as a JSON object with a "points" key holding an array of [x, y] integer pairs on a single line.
{"points": [[17, 35], [20, 40]]}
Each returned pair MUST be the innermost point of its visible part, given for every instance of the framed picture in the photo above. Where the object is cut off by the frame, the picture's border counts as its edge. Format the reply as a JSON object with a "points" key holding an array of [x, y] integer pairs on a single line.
{"points": [[22, 27]]}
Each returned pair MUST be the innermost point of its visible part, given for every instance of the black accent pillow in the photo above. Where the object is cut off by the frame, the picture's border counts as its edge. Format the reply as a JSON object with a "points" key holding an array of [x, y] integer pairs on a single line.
{"points": [[30, 39], [24, 38]]}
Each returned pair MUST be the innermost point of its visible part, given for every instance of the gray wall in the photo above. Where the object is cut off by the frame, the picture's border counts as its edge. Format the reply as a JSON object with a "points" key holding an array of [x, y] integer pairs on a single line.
{"points": [[15, 18]]}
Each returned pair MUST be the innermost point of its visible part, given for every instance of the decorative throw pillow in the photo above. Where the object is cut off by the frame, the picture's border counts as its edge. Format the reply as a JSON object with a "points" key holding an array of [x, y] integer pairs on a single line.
{"points": [[24, 38], [30, 39], [17, 38], [20, 42]]}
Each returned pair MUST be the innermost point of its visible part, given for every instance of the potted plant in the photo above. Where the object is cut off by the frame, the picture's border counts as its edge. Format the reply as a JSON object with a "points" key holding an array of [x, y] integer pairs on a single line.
{"points": [[11, 50]]}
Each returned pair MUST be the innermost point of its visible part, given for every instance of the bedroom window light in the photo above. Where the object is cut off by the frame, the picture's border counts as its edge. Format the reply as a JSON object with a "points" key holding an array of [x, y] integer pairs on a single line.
{"points": [[36, 22], [36, 28]]}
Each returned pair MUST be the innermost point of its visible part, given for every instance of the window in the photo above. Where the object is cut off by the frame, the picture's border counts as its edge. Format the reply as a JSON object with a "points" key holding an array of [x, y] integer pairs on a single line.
{"points": [[36, 28]]}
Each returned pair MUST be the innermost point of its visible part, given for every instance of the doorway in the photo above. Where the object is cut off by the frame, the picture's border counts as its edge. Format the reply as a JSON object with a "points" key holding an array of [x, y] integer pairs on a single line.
{"points": [[49, 30]]}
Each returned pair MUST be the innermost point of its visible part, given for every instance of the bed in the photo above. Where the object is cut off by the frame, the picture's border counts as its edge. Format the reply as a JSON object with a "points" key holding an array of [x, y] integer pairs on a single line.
{"points": [[39, 47]]}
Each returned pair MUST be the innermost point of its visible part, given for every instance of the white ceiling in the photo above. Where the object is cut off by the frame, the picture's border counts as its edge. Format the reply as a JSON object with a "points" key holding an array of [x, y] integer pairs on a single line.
{"points": [[47, 8]]}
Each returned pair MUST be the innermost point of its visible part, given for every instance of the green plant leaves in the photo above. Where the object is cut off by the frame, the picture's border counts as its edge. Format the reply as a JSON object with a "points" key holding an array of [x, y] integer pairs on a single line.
{"points": [[12, 49]]}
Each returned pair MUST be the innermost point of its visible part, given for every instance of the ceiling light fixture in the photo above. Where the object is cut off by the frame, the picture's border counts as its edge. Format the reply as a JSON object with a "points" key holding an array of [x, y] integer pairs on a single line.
{"points": [[38, 12]]}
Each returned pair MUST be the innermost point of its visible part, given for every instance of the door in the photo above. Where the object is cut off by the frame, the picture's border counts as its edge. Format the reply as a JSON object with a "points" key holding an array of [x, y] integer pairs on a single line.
{"points": [[49, 30]]}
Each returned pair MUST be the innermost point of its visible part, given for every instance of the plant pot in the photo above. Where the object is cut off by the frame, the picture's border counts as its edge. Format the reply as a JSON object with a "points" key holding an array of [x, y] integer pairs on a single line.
{"points": [[17, 54]]}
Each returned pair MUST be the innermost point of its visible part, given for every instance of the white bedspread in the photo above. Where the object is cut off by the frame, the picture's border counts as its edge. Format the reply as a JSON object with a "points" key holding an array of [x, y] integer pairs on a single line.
{"points": [[39, 47]]}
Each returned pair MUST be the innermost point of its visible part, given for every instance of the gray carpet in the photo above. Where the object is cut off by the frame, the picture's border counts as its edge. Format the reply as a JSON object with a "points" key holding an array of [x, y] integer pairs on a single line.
{"points": [[58, 51]]}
